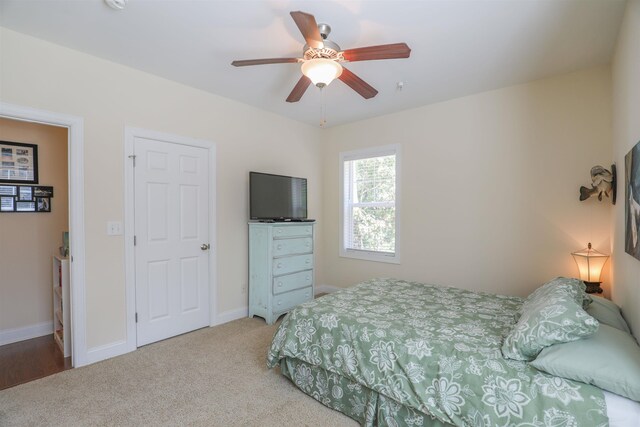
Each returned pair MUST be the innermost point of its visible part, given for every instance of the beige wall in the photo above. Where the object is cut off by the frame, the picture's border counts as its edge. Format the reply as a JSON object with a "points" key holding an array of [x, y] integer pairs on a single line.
{"points": [[109, 97], [626, 131], [28, 240], [489, 185], [490, 181]]}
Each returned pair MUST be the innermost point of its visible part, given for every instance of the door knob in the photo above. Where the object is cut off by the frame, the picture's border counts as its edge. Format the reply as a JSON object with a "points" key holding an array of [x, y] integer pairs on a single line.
{"points": [[205, 246]]}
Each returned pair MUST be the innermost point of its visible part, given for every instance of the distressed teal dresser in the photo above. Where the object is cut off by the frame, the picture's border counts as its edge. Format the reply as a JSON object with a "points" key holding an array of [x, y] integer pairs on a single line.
{"points": [[280, 267]]}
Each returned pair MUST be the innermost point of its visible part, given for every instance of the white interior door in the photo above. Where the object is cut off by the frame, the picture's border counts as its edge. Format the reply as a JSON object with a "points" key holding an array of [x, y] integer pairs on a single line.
{"points": [[171, 239]]}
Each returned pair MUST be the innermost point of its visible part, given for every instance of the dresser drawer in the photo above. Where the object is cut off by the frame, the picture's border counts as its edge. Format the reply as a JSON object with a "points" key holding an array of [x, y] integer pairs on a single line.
{"points": [[292, 230], [288, 300], [292, 264], [300, 245], [293, 281]]}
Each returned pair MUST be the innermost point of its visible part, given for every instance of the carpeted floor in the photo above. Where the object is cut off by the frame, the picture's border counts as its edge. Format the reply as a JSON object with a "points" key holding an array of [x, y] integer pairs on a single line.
{"points": [[211, 377]]}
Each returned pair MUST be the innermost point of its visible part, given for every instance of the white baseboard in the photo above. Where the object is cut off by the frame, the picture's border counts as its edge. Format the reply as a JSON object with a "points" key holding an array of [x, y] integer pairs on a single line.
{"points": [[239, 313], [326, 288], [9, 336], [118, 348], [107, 351], [229, 315]]}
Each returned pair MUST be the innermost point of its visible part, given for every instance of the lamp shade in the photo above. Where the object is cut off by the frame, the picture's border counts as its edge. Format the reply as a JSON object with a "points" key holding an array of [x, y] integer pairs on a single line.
{"points": [[321, 71], [590, 263]]}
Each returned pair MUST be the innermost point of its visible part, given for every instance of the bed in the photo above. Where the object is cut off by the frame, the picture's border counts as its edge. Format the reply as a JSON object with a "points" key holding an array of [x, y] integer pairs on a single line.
{"points": [[393, 352]]}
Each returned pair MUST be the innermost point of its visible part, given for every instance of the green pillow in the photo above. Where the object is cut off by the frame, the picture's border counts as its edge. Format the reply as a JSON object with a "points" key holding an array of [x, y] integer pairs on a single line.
{"points": [[552, 314], [608, 313], [575, 287], [610, 359]]}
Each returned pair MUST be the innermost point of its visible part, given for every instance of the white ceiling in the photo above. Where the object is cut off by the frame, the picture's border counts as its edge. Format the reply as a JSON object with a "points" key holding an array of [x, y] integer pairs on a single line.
{"points": [[459, 47]]}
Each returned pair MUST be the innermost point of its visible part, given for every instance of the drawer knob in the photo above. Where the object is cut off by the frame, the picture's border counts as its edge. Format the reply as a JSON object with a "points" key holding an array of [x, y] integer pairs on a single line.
{"points": [[308, 244], [279, 284], [308, 278], [308, 261], [279, 247], [279, 302], [279, 231], [279, 265]]}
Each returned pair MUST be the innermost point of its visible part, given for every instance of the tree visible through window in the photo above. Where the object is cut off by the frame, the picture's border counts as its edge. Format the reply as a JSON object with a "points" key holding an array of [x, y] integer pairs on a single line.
{"points": [[369, 202]]}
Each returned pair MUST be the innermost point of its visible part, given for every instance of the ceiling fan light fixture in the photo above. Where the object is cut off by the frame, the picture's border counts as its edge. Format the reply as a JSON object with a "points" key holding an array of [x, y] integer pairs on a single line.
{"points": [[321, 71], [116, 4]]}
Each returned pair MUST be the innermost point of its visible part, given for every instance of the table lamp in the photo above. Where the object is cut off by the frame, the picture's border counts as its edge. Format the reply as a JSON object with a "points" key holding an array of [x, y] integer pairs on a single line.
{"points": [[590, 263]]}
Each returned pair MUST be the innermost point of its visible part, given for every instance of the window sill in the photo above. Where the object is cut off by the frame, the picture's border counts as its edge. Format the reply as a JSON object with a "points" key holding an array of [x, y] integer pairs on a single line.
{"points": [[370, 256]]}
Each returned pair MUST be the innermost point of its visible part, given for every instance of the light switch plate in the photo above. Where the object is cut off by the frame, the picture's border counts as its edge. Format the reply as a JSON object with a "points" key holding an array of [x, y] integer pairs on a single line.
{"points": [[114, 228]]}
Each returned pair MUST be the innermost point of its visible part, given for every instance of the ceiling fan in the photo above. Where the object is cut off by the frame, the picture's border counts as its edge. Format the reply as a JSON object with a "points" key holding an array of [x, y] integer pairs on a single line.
{"points": [[321, 59]]}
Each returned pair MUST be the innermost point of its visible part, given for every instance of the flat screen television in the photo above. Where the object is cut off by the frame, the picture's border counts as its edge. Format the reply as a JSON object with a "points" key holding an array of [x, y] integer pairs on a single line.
{"points": [[277, 197]]}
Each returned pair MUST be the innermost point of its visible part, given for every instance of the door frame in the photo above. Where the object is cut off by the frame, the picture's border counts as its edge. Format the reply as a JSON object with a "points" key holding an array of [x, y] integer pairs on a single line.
{"points": [[75, 153], [129, 222]]}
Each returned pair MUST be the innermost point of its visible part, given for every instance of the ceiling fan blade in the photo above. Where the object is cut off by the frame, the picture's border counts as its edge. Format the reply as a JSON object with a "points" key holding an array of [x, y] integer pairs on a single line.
{"points": [[385, 51], [246, 62], [356, 83], [309, 28], [299, 89]]}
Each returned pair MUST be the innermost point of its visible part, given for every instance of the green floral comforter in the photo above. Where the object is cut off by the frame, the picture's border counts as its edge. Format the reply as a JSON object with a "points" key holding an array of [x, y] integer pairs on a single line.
{"points": [[434, 350]]}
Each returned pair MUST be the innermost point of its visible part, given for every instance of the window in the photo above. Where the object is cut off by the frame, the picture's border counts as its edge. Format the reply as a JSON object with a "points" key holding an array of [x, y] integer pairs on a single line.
{"points": [[370, 188]]}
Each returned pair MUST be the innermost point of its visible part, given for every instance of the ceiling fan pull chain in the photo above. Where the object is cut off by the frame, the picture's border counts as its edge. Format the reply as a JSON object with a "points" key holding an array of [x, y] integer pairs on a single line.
{"points": [[323, 110]]}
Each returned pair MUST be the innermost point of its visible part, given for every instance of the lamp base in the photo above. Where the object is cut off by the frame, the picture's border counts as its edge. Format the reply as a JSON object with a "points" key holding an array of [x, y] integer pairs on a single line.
{"points": [[593, 287]]}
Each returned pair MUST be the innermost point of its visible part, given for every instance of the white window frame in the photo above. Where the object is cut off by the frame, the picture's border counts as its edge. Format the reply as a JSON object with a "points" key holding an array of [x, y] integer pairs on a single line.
{"points": [[365, 153]]}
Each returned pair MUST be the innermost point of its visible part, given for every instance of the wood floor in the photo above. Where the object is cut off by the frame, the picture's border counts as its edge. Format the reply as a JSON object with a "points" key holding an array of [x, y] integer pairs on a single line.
{"points": [[29, 360]]}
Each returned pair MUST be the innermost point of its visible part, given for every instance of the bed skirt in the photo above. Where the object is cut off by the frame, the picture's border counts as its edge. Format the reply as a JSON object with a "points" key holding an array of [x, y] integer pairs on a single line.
{"points": [[364, 405]]}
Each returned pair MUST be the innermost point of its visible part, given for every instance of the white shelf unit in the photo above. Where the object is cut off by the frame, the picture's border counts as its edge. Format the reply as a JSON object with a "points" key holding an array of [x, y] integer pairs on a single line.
{"points": [[61, 308]]}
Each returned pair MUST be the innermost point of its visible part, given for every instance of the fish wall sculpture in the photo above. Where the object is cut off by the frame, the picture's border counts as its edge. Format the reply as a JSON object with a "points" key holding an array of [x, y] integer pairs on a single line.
{"points": [[603, 182]]}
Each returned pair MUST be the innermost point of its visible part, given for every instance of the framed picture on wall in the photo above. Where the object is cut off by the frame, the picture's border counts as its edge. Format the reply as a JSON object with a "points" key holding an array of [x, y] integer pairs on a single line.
{"points": [[632, 201], [25, 193], [43, 191], [25, 206], [8, 190], [7, 204], [25, 198], [18, 162], [43, 204]]}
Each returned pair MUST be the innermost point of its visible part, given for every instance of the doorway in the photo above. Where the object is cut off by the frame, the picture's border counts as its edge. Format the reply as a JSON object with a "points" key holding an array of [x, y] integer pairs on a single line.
{"points": [[170, 260], [35, 327], [75, 145]]}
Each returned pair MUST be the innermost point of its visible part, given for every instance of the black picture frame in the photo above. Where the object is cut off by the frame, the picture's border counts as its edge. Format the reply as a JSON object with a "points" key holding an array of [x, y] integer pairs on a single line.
{"points": [[42, 191], [8, 190], [43, 204], [18, 162], [25, 206], [25, 198], [7, 204], [25, 193]]}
